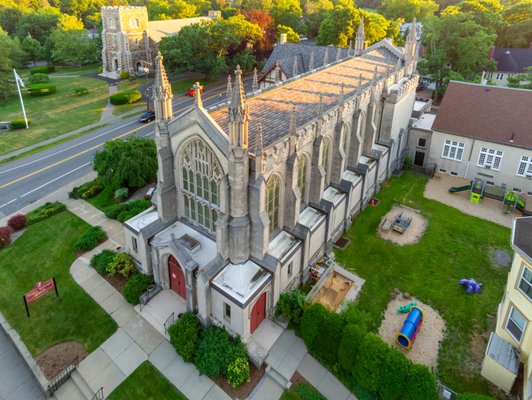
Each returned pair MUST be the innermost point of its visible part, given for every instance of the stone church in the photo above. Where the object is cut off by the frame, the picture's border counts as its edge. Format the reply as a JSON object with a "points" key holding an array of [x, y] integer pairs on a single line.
{"points": [[252, 191]]}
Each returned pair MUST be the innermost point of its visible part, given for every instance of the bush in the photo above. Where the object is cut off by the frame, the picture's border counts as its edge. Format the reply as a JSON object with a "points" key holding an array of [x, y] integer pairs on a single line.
{"points": [[131, 209], [44, 69], [369, 362], [45, 211], [41, 89], [238, 372], [101, 260], [19, 123], [126, 97], [312, 324], [291, 305], [123, 264], [87, 191], [121, 194], [475, 396], [420, 384], [5, 236], [184, 336], [352, 337], [17, 222], [325, 347], [80, 91], [39, 78], [90, 239], [211, 356], [394, 374], [124, 75], [135, 286], [114, 210]]}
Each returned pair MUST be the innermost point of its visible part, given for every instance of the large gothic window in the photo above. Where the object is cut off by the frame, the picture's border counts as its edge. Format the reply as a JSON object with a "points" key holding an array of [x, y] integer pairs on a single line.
{"points": [[325, 158], [273, 187], [302, 178], [201, 184], [111, 23]]}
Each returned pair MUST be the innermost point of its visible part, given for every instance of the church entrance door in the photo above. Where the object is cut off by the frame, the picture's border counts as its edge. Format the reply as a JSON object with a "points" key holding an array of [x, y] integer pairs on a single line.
{"points": [[419, 158], [177, 278], [258, 312], [115, 64]]}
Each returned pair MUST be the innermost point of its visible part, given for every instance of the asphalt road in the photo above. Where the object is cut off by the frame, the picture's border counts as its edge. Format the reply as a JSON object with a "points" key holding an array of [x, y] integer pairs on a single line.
{"points": [[28, 179]]}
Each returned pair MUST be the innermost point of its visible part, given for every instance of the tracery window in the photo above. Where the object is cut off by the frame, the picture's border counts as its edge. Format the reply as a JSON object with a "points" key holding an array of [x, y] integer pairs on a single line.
{"points": [[201, 184], [302, 173], [273, 187]]}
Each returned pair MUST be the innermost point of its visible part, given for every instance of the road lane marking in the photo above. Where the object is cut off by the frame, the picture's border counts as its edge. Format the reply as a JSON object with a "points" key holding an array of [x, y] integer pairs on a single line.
{"points": [[55, 179], [9, 202]]}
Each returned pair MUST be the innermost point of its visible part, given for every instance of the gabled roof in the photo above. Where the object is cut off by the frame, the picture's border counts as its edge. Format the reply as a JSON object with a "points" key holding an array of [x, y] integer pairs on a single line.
{"points": [[495, 114], [511, 59], [522, 236], [159, 29]]}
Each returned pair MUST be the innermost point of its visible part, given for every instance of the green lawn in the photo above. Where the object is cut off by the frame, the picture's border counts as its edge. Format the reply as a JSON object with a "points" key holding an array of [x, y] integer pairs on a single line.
{"points": [[72, 70], [55, 114], [146, 383], [42, 252], [139, 107], [301, 391], [454, 246], [180, 87]]}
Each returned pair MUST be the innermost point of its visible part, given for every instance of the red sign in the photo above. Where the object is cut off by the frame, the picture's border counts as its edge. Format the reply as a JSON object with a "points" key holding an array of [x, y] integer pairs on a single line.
{"points": [[40, 289]]}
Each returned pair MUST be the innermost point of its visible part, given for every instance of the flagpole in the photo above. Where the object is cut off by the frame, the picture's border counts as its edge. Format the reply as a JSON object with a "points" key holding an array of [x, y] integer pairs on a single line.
{"points": [[21, 101]]}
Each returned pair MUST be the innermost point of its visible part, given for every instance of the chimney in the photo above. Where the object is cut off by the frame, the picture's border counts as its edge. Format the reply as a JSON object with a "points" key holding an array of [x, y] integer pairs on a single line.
{"points": [[282, 38]]}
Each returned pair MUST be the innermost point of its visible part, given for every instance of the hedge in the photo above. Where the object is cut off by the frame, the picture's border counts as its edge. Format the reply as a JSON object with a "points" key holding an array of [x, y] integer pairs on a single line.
{"points": [[394, 375], [41, 89], [135, 286], [327, 350], [184, 336], [123, 212], [86, 191], [126, 97], [5, 236], [90, 239], [80, 91], [45, 211], [352, 337], [124, 75], [44, 69], [420, 384], [39, 78], [311, 326], [369, 362], [17, 222], [19, 123], [101, 260]]}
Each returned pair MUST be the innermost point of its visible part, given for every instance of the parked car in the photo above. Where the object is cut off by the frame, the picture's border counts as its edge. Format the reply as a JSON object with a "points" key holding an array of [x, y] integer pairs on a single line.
{"points": [[147, 116], [192, 92]]}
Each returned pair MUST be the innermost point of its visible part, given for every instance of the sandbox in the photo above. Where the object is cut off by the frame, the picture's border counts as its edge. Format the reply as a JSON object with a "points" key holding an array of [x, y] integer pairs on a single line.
{"points": [[412, 234]]}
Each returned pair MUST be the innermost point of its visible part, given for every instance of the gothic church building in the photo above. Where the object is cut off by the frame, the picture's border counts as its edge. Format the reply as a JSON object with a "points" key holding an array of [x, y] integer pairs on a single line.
{"points": [[252, 191]]}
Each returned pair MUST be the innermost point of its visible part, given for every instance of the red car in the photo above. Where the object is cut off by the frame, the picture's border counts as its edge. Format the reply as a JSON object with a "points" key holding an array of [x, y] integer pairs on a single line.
{"points": [[192, 92]]}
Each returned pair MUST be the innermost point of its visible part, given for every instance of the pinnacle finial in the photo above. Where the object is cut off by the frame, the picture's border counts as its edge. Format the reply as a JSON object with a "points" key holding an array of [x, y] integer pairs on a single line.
{"points": [[326, 56], [295, 68], [341, 96], [350, 48], [320, 107], [255, 85], [259, 146], [198, 101], [293, 122], [338, 53], [229, 88], [311, 62]]}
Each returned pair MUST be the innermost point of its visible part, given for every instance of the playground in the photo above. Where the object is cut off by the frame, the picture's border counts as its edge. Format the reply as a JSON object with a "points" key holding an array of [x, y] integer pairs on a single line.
{"points": [[402, 225]]}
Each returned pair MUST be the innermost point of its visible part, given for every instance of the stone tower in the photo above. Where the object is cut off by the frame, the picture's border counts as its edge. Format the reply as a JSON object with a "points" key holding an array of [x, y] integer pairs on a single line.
{"points": [[360, 39], [125, 42]]}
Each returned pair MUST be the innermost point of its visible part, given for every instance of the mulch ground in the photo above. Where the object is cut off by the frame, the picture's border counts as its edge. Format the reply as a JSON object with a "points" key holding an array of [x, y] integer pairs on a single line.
{"points": [[244, 390], [117, 281], [56, 358]]}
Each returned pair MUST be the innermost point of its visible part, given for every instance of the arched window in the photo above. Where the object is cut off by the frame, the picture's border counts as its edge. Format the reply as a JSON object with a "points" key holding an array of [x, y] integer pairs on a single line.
{"points": [[302, 178], [134, 23], [201, 184], [325, 158], [273, 187], [111, 23]]}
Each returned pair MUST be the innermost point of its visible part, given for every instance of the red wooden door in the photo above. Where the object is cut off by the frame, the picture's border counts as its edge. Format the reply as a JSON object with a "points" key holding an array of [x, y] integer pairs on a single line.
{"points": [[177, 278], [258, 312]]}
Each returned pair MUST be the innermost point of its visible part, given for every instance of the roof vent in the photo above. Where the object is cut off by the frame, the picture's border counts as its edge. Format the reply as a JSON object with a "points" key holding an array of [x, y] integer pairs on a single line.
{"points": [[189, 242]]}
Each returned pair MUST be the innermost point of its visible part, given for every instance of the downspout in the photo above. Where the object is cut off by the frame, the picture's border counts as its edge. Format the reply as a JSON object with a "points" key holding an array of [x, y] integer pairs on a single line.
{"points": [[469, 160]]}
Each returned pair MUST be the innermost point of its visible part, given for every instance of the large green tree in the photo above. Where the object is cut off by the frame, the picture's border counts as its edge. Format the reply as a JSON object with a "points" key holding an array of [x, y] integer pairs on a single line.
{"points": [[11, 56], [32, 48], [9, 18], [409, 9], [38, 24], [74, 47], [287, 12], [131, 163]]}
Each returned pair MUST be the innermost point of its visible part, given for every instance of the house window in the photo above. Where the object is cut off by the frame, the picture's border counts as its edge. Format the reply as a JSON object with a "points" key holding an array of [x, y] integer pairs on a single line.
{"points": [[325, 158], [453, 150], [290, 267], [227, 311], [134, 244], [273, 188], [201, 184], [489, 158], [421, 142], [525, 283], [134, 23], [302, 178], [516, 324], [525, 167], [111, 23]]}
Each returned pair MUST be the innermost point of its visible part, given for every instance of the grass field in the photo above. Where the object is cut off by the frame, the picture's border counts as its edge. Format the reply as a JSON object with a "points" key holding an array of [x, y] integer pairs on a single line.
{"points": [[55, 114], [147, 383], [454, 246], [42, 252]]}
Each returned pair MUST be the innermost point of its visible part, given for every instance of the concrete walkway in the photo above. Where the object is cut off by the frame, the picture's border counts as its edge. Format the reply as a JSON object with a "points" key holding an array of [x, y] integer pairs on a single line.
{"points": [[107, 113]]}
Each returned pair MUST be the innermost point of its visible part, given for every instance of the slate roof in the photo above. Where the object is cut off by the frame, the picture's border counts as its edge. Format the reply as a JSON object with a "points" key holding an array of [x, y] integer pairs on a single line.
{"points": [[159, 29], [273, 108], [522, 235], [511, 59], [495, 114], [286, 53]]}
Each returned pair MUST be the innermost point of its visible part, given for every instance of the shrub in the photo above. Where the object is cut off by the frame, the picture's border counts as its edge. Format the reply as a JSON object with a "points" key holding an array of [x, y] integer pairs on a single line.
{"points": [[420, 384], [17, 222], [125, 97], [352, 315], [211, 356], [90, 239], [325, 347], [101, 260], [133, 208], [184, 336], [39, 78], [291, 305], [238, 372], [122, 264], [113, 211], [135, 286], [5, 236], [41, 89], [124, 75], [475, 396], [394, 374], [121, 194], [45, 211], [100, 69], [307, 392], [80, 91], [19, 123], [43, 69], [369, 362], [352, 337], [312, 324]]}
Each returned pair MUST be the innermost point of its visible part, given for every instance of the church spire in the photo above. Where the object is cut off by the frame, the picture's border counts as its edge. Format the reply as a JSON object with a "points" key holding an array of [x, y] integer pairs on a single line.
{"points": [[162, 92], [238, 113], [360, 39]]}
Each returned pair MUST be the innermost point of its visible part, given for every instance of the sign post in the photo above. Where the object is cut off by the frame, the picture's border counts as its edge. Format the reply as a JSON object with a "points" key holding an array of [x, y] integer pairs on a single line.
{"points": [[40, 289]]}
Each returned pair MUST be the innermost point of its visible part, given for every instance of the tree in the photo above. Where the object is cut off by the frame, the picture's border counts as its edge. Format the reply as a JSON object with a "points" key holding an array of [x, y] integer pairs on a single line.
{"points": [[287, 12], [32, 48], [409, 9], [38, 24], [516, 30], [131, 163], [487, 13], [523, 80], [9, 18], [11, 56], [69, 23], [291, 36], [265, 21], [314, 11], [74, 47], [264, 5]]}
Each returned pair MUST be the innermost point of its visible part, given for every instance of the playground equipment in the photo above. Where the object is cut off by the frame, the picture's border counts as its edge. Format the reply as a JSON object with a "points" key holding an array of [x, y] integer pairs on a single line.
{"points": [[406, 308], [411, 327], [459, 188], [512, 201], [471, 285], [401, 223], [477, 190]]}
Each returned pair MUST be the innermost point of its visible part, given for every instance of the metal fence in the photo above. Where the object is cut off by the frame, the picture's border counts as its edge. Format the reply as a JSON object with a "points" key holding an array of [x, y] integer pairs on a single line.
{"points": [[62, 377]]}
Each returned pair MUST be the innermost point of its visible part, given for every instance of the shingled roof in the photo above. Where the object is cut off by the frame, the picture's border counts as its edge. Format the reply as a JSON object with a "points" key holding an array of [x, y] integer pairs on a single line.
{"points": [[272, 109], [511, 59], [496, 114], [522, 235]]}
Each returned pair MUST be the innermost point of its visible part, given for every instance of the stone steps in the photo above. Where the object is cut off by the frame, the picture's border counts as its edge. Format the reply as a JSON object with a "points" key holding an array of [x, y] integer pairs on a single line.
{"points": [[75, 388], [278, 378]]}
